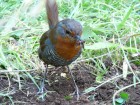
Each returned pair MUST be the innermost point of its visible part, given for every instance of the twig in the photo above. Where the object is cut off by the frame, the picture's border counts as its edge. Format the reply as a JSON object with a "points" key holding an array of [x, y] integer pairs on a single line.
{"points": [[122, 90], [95, 88]]}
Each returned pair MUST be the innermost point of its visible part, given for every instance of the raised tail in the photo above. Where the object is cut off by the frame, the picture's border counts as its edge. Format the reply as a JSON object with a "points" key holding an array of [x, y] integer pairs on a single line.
{"points": [[52, 13]]}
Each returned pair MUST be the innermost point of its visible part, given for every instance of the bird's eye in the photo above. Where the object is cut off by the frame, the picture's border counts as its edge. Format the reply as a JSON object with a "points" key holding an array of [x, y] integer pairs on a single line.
{"points": [[68, 32]]}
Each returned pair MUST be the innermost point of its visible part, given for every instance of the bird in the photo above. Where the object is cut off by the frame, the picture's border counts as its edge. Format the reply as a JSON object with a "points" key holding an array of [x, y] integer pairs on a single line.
{"points": [[62, 43]]}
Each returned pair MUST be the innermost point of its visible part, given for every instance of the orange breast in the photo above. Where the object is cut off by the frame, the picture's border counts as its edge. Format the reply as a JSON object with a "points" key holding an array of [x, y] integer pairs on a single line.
{"points": [[66, 48]]}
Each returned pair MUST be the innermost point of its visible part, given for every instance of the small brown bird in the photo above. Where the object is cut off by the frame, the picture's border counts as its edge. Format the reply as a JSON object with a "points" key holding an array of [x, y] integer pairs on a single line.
{"points": [[61, 44]]}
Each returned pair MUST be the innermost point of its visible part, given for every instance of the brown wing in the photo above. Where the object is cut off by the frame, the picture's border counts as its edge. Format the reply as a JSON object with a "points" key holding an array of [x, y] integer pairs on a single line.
{"points": [[43, 38]]}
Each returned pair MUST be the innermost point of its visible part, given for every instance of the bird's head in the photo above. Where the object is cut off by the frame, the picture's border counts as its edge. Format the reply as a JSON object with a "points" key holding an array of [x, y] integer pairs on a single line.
{"points": [[70, 31]]}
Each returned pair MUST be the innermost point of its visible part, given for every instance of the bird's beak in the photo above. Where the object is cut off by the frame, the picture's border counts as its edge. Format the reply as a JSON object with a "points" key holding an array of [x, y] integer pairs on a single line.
{"points": [[79, 41]]}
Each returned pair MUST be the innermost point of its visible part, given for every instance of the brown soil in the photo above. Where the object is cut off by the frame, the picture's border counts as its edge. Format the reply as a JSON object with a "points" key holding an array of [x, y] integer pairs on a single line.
{"points": [[60, 88]]}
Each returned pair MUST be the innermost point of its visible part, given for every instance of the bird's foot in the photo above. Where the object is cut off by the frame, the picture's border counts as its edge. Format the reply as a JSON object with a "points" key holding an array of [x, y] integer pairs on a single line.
{"points": [[42, 92], [77, 93]]}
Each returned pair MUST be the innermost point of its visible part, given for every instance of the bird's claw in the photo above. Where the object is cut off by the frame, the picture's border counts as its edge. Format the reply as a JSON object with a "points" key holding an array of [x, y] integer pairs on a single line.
{"points": [[76, 94], [41, 92]]}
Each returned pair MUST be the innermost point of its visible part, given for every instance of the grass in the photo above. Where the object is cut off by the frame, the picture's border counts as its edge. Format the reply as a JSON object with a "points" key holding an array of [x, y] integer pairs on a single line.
{"points": [[110, 28]]}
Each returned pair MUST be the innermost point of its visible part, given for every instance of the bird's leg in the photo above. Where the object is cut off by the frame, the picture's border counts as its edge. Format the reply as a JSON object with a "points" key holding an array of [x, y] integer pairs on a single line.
{"points": [[76, 87], [42, 87], [43, 80]]}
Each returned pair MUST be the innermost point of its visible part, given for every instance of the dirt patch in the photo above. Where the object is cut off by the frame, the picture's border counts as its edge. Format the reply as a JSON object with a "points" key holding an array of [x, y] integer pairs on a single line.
{"points": [[60, 88]]}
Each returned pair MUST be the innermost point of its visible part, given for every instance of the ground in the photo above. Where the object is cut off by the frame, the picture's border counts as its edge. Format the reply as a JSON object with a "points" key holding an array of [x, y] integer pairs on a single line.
{"points": [[60, 88]]}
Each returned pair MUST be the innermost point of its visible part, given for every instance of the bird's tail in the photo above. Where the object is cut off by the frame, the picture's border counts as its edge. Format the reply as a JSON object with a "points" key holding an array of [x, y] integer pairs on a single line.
{"points": [[52, 13]]}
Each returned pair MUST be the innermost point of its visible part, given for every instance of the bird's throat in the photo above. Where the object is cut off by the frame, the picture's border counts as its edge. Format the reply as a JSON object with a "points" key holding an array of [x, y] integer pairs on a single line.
{"points": [[66, 48]]}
